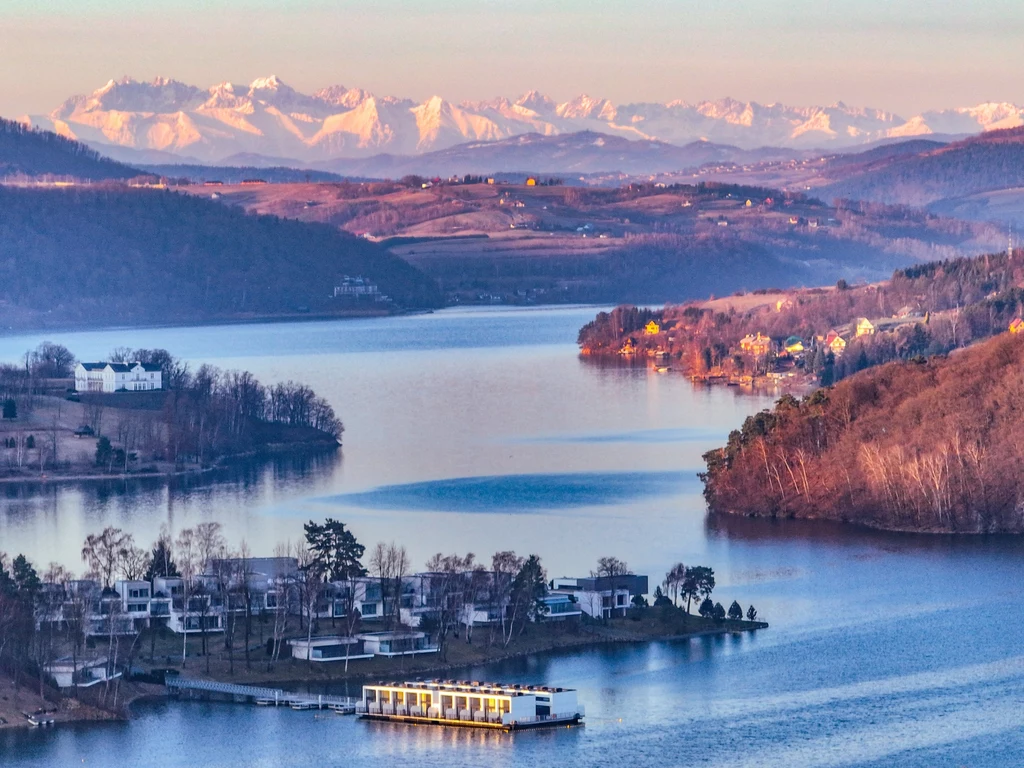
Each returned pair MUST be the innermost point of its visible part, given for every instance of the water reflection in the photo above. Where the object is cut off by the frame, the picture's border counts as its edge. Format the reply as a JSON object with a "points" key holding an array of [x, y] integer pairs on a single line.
{"points": [[520, 493]]}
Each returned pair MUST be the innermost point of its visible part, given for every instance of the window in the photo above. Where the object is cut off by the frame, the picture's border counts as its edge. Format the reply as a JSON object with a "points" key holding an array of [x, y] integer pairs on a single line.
{"points": [[369, 609]]}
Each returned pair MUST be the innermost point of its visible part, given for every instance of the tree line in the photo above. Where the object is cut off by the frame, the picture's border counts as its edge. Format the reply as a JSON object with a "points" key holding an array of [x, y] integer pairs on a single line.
{"points": [[52, 613]]}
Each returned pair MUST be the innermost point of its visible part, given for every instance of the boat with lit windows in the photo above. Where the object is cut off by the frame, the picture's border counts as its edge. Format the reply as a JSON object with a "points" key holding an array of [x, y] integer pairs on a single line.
{"points": [[471, 703]]}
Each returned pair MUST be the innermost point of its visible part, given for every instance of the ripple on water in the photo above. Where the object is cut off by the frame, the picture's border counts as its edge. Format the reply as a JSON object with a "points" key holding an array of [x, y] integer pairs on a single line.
{"points": [[519, 493]]}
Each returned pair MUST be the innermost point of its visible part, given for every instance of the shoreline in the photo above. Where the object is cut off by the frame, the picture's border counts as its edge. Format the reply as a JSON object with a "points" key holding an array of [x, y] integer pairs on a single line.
{"points": [[421, 666], [133, 693], [228, 321], [224, 463]]}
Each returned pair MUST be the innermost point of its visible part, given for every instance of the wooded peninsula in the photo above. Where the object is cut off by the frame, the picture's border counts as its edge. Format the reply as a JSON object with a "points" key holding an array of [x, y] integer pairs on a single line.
{"points": [[922, 445], [197, 419]]}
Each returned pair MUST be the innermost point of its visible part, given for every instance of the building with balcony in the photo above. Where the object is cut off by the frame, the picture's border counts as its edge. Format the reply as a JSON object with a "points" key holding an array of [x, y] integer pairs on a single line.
{"points": [[601, 596]]}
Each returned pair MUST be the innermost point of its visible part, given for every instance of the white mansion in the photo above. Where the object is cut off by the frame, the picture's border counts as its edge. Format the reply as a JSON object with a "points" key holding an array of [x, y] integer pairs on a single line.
{"points": [[117, 377]]}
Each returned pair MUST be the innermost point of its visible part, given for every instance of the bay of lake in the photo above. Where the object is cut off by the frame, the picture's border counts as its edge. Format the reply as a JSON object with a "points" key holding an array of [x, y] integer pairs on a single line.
{"points": [[480, 430]]}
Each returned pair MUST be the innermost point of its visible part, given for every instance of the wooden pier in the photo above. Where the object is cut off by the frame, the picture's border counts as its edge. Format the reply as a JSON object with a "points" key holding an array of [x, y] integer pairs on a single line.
{"points": [[275, 697]]}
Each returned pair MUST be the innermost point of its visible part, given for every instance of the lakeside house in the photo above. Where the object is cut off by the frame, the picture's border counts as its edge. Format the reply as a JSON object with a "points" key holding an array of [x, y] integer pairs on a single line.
{"points": [[756, 344], [1016, 325], [794, 345], [118, 377], [329, 648], [68, 672], [601, 596], [652, 328], [359, 287], [385, 622]]}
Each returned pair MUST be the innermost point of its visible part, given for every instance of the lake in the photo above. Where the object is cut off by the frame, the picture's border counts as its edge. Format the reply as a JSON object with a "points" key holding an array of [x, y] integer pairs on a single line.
{"points": [[480, 430]]}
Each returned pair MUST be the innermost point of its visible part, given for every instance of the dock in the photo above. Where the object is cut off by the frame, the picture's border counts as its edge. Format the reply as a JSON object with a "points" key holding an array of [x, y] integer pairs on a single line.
{"points": [[265, 697]]}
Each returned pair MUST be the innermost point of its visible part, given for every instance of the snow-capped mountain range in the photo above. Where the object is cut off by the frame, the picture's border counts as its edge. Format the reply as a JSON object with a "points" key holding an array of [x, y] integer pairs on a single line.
{"points": [[270, 118]]}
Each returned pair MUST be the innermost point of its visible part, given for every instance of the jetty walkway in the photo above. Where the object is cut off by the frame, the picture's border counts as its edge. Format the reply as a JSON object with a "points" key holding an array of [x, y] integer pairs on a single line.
{"points": [[263, 696]]}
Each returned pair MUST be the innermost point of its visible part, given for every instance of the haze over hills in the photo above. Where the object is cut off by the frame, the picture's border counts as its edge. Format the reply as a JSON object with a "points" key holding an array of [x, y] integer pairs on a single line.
{"points": [[28, 152], [268, 117], [581, 152], [991, 161]]}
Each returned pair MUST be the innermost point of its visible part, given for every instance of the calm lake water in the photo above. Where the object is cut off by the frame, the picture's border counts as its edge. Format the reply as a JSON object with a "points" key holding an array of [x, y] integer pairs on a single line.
{"points": [[479, 430]]}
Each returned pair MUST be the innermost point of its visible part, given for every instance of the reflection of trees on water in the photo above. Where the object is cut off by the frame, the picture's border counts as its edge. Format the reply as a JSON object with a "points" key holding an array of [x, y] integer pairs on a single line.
{"points": [[830, 532], [239, 476]]}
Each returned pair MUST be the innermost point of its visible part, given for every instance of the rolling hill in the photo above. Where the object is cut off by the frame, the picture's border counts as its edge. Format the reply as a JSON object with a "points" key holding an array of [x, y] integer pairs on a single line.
{"points": [[96, 256], [29, 152], [990, 161]]}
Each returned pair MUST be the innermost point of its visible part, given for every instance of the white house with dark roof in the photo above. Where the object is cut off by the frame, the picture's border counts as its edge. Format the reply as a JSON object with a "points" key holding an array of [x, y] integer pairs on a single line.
{"points": [[118, 377]]}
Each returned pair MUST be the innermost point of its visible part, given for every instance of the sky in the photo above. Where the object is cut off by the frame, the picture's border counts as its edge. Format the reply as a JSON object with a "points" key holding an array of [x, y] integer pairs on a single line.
{"points": [[905, 56]]}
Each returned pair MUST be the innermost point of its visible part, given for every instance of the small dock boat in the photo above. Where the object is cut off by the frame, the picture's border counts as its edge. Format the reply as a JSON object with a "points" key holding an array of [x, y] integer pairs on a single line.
{"points": [[472, 704]]}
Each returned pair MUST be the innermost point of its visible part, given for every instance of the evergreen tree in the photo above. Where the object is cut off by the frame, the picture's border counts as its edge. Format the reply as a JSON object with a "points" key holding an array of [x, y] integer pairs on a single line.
{"points": [[161, 560], [735, 611], [104, 452], [335, 550], [25, 577]]}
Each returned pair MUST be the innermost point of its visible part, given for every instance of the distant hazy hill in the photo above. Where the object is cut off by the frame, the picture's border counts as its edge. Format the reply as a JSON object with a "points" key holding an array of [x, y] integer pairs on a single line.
{"points": [[991, 161], [573, 153], [268, 117], [99, 256], [236, 174], [32, 152]]}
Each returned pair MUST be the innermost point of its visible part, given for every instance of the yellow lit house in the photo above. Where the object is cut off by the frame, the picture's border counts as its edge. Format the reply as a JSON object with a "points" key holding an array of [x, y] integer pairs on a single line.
{"points": [[652, 328], [865, 327], [1017, 325], [756, 345], [835, 342]]}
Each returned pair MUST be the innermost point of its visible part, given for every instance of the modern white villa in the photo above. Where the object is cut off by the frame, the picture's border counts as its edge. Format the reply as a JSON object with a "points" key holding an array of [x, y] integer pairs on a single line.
{"points": [[118, 377], [459, 702]]}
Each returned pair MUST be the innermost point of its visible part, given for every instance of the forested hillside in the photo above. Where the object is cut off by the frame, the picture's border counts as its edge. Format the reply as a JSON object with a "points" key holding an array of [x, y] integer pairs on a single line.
{"points": [[993, 160], [926, 309], [920, 445], [94, 255], [33, 152]]}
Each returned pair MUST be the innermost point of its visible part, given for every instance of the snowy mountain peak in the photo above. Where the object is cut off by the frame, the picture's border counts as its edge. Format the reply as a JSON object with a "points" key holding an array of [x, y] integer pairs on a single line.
{"points": [[266, 84], [270, 117], [537, 102]]}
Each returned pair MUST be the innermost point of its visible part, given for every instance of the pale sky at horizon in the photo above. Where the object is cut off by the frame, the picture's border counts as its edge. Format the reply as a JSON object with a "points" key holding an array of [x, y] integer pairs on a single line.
{"points": [[905, 57]]}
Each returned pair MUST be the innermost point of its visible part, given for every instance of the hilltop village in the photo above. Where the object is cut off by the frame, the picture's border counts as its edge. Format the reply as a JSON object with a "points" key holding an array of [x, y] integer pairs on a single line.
{"points": [[818, 336]]}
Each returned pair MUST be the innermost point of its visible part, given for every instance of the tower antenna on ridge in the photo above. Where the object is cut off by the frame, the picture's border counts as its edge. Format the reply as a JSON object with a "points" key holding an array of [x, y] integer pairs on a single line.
{"points": [[1009, 243]]}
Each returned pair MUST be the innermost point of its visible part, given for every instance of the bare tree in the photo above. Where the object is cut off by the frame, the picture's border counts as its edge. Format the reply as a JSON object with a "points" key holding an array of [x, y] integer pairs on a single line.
{"points": [[104, 552], [187, 548], [391, 564], [504, 566]]}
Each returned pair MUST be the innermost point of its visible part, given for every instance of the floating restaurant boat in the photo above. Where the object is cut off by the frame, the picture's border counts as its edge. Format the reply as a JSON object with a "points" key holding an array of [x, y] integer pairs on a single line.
{"points": [[471, 703]]}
